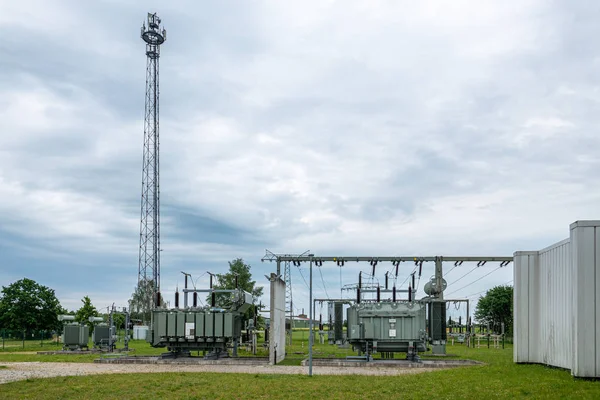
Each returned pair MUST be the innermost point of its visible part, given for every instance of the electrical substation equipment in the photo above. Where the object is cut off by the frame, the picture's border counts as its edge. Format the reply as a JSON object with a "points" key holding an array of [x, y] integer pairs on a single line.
{"points": [[211, 328], [75, 335]]}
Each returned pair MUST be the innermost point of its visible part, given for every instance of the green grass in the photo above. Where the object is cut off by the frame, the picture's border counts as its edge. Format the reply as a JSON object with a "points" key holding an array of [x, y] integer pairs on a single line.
{"points": [[498, 378], [138, 347], [8, 346], [83, 358]]}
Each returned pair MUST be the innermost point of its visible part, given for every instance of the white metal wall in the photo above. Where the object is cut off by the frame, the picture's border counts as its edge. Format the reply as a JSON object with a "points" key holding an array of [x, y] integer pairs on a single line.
{"points": [[524, 345], [555, 329], [277, 333], [585, 236], [556, 316]]}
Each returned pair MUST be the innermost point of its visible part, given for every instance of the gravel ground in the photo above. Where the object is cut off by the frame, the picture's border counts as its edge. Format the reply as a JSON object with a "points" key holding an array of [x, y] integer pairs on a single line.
{"points": [[23, 370]]}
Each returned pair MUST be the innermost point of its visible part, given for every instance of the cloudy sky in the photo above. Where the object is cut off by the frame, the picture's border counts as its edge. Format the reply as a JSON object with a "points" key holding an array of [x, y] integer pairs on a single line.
{"points": [[339, 127]]}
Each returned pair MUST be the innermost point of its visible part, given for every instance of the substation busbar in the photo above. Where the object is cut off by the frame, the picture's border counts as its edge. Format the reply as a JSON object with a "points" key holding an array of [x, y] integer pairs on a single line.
{"points": [[436, 291]]}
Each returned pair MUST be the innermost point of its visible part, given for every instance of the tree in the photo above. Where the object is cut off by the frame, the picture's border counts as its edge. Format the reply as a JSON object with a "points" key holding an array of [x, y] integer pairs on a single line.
{"points": [[119, 320], [86, 311], [141, 302], [27, 305], [241, 270], [495, 308]]}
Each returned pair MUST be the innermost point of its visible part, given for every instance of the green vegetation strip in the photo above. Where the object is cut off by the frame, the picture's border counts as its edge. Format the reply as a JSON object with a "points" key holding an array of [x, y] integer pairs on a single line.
{"points": [[464, 383], [86, 358], [499, 378]]}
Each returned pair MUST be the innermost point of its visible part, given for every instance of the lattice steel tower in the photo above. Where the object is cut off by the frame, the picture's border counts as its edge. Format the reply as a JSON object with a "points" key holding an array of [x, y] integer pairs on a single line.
{"points": [[149, 256]]}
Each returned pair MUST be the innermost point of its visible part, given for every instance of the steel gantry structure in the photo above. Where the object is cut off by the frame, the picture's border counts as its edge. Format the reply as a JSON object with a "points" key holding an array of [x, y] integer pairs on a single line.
{"points": [[436, 291], [287, 278]]}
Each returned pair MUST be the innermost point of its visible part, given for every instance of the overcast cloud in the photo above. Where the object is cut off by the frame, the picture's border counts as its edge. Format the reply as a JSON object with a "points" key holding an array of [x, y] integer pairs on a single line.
{"points": [[343, 127]]}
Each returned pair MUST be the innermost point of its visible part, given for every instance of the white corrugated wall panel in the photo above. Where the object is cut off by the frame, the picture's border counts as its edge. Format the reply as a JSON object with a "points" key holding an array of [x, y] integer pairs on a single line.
{"points": [[564, 288], [521, 307], [555, 301], [534, 309], [597, 297], [556, 294], [583, 236], [544, 308]]}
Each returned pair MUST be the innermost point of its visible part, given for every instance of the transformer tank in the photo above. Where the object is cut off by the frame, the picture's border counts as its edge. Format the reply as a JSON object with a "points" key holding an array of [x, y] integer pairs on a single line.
{"points": [[210, 329], [387, 327]]}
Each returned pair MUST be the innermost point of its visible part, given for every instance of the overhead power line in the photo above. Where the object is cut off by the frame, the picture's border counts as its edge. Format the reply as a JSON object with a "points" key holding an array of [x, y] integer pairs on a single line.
{"points": [[474, 268], [476, 280], [302, 275], [475, 294], [323, 281], [408, 276], [451, 269]]}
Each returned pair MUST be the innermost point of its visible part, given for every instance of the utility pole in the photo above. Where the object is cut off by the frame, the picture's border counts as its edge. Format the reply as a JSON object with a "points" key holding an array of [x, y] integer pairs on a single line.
{"points": [[149, 251], [310, 322]]}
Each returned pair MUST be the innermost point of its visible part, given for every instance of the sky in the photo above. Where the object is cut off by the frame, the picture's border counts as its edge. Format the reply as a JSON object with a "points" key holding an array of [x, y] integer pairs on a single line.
{"points": [[379, 128]]}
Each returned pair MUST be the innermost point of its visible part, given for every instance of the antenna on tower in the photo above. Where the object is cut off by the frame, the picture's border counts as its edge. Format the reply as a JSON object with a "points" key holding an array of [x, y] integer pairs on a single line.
{"points": [[149, 252]]}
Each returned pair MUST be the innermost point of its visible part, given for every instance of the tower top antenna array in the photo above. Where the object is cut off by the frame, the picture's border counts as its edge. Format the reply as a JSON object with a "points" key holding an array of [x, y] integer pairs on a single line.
{"points": [[153, 35], [149, 252]]}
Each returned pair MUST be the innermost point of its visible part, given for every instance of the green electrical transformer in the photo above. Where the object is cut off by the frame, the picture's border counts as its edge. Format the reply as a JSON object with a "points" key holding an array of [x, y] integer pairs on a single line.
{"points": [[387, 327], [211, 329], [101, 336], [75, 336]]}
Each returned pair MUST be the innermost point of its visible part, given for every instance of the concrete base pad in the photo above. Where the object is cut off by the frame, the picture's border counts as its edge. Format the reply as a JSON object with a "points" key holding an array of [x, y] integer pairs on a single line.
{"points": [[340, 362], [183, 360], [61, 352]]}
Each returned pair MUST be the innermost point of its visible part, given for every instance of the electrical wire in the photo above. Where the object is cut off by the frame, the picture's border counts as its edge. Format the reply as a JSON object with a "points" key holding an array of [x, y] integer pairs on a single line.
{"points": [[451, 269], [408, 276], [475, 294], [304, 279], [476, 280], [392, 275], [341, 295], [464, 275], [196, 281], [323, 281]]}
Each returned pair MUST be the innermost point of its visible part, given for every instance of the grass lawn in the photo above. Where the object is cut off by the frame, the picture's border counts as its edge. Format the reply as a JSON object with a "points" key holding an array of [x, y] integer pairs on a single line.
{"points": [[499, 378], [7, 346], [14, 353]]}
